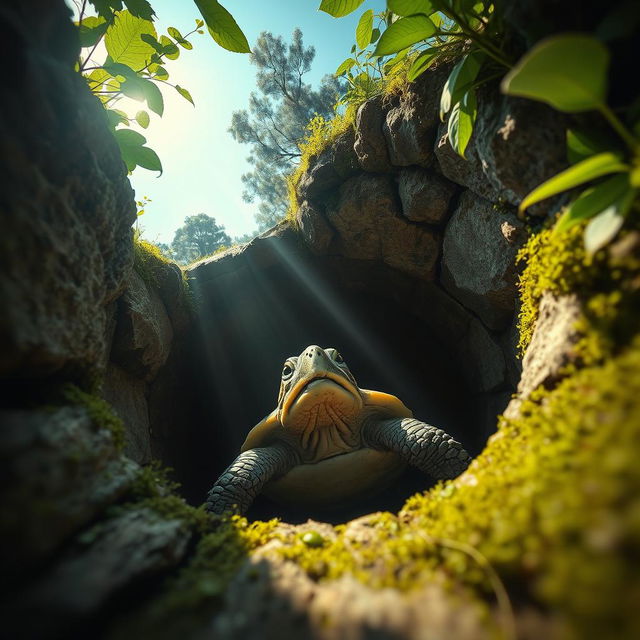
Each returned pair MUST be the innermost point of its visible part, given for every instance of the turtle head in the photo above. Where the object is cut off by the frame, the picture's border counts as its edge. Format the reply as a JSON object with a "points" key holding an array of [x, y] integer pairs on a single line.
{"points": [[319, 402]]}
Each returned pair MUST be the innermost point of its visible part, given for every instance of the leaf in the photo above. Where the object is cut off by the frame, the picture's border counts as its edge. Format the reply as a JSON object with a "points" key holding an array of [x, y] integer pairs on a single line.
{"points": [[140, 8], [593, 201], [581, 145], [601, 164], [124, 43], [422, 63], [153, 42], [569, 72], [185, 44], [105, 8], [409, 7], [375, 34], [91, 29], [174, 33], [153, 96], [142, 118], [116, 69], [134, 153], [185, 94], [339, 8], [116, 117], [604, 227], [345, 66], [364, 29], [403, 33], [460, 80], [169, 48], [161, 73], [461, 121], [222, 27]]}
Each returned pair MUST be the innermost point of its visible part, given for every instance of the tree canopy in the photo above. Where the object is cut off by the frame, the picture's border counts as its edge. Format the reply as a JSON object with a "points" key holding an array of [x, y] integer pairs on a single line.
{"points": [[199, 236], [274, 124]]}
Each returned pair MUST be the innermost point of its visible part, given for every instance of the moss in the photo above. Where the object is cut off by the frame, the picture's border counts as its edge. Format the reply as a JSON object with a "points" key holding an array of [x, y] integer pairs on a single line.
{"points": [[321, 132], [606, 284], [153, 488], [554, 500], [99, 410]]}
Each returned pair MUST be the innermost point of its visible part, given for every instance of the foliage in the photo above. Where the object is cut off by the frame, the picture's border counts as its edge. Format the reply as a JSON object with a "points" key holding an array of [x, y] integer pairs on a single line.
{"points": [[198, 237], [133, 62], [569, 72], [275, 122], [425, 31]]}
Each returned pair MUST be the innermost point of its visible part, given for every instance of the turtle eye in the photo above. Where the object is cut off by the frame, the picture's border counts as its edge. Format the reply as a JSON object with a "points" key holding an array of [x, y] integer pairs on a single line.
{"points": [[287, 372], [338, 358]]}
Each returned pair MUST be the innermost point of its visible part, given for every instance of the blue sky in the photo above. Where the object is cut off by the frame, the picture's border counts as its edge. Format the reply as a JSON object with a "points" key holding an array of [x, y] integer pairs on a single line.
{"points": [[202, 162]]}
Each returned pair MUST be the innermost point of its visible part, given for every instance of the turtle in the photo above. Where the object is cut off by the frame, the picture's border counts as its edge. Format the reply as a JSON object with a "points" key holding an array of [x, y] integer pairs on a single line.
{"points": [[328, 441]]}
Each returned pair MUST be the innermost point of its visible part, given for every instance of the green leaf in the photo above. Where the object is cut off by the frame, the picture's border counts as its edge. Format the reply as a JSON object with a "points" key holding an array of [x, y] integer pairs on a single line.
{"points": [[116, 117], [460, 80], [422, 63], [599, 165], [91, 29], [174, 33], [604, 227], [593, 201], [185, 44], [124, 43], [345, 66], [409, 7], [403, 33], [153, 42], [153, 96], [461, 121], [140, 8], [375, 35], [569, 72], [146, 158], [116, 69], [142, 118], [364, 29], [134, 153], [581, 145], [129, 138], [339, 8], [161, 73], [222, 27], [105, 8], [169, 48], [185, 94]]}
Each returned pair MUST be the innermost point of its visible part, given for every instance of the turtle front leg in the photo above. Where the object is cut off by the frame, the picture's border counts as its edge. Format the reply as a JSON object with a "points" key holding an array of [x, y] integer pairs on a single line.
{"points": [[429, 449], [244, 478]]}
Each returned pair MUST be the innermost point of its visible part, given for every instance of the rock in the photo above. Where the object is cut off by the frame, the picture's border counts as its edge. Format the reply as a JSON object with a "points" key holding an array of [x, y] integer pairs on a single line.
{"points": [[106, 559], [314, 228], [127, 395], [60, 468], [273, 598], [65, 201], [172, 291], [507, 129], [370, 145], [410, 127], [425, 196], [329, 168], [143, 333], [477, 354], [369, 226], [480, 348], [478, 265], [551, 346]]}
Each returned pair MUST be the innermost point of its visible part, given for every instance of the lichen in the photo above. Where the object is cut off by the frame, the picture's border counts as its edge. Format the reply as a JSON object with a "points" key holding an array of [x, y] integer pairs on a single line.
{"points": [[99, 410]]}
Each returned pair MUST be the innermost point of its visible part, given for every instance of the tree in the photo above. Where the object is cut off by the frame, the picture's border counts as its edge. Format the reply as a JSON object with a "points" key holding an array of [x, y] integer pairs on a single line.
{"points": [[274, 125], [199, 236]]}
